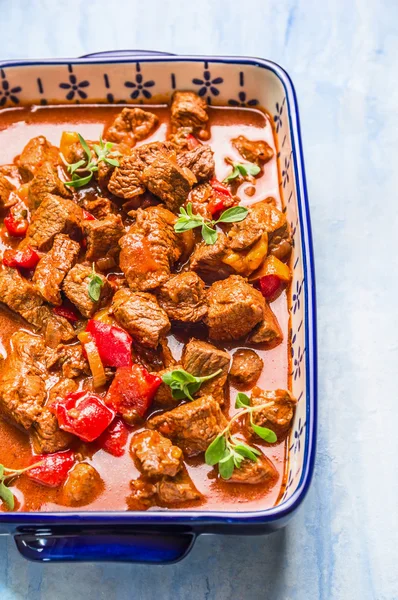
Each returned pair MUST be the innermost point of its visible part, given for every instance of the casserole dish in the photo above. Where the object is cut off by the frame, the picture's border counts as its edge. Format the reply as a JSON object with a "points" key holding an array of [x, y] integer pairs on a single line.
{"points": [[166, 536]]}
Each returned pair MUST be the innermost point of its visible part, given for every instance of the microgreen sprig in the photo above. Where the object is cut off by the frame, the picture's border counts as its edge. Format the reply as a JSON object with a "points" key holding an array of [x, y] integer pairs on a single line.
{"points": [[183, 384], [8, 474], [94, 286], [102, 153], [227, 450], [188, 220], [242, 170]]}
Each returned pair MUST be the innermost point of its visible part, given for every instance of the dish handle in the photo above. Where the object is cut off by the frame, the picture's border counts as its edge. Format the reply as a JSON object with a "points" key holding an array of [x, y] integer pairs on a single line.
{"points": [[136, 547], [126, 54]]}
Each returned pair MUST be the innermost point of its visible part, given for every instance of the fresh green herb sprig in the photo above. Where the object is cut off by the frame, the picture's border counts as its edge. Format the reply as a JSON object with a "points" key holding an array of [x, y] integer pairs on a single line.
{"points": [[242, 170], [187, 220], [94, 286], [102, 153], [183, 384], [7, 475], [227, 450]]}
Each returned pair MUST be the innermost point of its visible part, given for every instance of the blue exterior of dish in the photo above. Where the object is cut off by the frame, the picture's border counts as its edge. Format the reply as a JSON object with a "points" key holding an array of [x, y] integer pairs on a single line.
{"points": [[160, 537]]}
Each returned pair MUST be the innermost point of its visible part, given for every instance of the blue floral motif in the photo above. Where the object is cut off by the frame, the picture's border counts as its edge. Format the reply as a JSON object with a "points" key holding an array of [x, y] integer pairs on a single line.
{"points": [[293, 229], [285, 172], [75, 87], [297, 360], [296, 446], [289, 484], [7, 93], [296, 296], [208, 85], [139, 86], [278, 117], [242, 100]]}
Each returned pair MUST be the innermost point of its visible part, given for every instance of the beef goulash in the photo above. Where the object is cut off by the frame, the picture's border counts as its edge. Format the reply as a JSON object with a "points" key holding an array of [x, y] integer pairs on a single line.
{"points": [[144, 309]]}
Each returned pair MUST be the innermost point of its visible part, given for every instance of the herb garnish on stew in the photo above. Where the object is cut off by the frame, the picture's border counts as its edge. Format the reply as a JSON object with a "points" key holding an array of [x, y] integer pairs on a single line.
{"points": [[188, 220], [242, 169], [103, 153], [185, 385], [94, 286]]}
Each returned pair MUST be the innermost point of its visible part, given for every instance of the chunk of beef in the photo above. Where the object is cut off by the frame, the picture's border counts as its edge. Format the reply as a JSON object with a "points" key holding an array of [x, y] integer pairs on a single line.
{"points": [[148, 153], [171, 183], [6, 187], [125, 181], [100, 208], [200, 161], [183, 297], [189, 110], [207, 260], [22, 379], [70, 359], [252, 472], [181, 139], [132, 125], [279, 416], [83, 485], [201, 359], [53, 267], [156, 454], [150, 248], [103, 236], [54, 215], [36, 152], [140, 314], [22, 297], [235, 307], [246, 368], [142, 495], [192, 426], [254, 151], [76, 285], [177, 490], [267, 331], [46, 181], [47, 437], [199, 197]]}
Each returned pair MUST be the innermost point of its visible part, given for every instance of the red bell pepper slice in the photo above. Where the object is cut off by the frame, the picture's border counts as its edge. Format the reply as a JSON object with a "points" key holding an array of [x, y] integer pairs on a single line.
{"points": [[84, 414], [67, 312], [270, 285], [221, 198], [16, 221], [193, 142], [132, 391], [88, 216], [54, 468], [21, 259], [114, 439], [113, 343]]}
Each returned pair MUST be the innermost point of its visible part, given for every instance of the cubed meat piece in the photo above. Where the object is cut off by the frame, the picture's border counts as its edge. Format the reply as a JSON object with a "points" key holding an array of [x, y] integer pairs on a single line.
{"points": [[251, 472], [277, 417], [183, 297], [53, 266], [6, 187], [177, 490], [207, 260], [189, 110], [235, 307], [201, 359], [257, 152], [142, 495], [100, 208], [22, 379], [21, 296], [148, 153], [156, 454], [76, 285], [200, 161], [267, 331], [47, 437], [132, 125], [36, 152], [125, 181], [246, 368], [54, 215], [140, 314], [83, 485], [46, 181], [199, 197], [182, 139], [103, 236], [70, 359], [171, 183], [192, 426], [150, 248]]}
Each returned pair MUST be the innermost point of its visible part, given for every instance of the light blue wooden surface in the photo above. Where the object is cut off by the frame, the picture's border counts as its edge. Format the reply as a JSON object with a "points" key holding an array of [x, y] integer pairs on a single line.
{"points": [[342, 56]]}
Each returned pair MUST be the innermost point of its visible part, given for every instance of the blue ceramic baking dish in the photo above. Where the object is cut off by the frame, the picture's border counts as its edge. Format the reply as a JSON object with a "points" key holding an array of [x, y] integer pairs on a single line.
{"points": [[140, 76]]}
